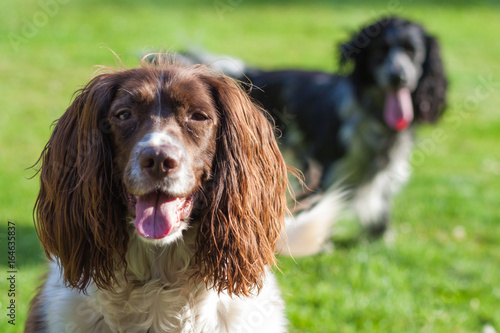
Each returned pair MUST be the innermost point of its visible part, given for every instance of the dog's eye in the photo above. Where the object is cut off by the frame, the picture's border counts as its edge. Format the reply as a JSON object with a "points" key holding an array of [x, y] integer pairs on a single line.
{"points": [[410, 49], [124, 115], [197, 116]]}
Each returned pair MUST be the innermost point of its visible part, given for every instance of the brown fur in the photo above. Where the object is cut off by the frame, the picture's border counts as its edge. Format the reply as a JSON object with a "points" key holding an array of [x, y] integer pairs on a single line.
{"points": [[35, 323], [242, 226]]}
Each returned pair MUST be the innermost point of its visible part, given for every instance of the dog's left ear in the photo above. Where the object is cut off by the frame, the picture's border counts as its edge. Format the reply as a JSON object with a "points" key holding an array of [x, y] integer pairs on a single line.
{"points": [[429, 99], [247, 199]]}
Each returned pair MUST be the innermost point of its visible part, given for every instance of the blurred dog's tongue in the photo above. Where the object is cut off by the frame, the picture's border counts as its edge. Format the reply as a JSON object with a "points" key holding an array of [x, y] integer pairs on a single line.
{"points": [[398, 110], [156, 214]]}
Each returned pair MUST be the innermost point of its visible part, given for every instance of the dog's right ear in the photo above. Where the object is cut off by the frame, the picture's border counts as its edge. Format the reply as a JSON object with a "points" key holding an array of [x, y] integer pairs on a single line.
{"points": [[77, 212], [348, 51], [355, 52], [356, 48], [352, 62]]}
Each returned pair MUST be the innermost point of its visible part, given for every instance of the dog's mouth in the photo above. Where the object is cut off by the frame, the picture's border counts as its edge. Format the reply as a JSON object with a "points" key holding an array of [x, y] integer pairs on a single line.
{"points": [[398, 108], [158, 214]]}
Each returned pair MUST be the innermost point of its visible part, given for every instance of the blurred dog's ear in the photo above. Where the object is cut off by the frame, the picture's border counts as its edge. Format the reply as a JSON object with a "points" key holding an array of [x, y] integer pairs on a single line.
{"points": [[355, 53], [429, 98]]}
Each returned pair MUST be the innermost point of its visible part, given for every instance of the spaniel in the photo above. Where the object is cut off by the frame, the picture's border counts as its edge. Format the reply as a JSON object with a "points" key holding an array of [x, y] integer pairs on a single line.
{"points": [[161, 203], [355, 127]]}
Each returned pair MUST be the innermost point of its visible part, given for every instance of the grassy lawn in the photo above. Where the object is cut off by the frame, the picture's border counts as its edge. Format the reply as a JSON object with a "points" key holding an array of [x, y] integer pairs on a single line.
{"points": [[437, 271]]}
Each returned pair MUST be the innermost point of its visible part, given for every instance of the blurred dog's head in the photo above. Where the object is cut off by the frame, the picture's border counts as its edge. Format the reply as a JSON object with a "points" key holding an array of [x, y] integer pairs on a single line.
{"points": [[400, 59]]}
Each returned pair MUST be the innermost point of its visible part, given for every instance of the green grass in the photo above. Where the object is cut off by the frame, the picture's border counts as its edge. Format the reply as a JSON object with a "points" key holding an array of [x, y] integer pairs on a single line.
{"points": [[438, 273]]}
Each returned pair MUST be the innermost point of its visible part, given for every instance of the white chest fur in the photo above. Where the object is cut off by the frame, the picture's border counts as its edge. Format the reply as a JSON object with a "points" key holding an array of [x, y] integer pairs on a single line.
{"points": [[159, 297]]}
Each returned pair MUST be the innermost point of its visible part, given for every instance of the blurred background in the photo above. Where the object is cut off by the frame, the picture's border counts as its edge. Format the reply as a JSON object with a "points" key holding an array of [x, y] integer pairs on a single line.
{"points": [[437, 270]]}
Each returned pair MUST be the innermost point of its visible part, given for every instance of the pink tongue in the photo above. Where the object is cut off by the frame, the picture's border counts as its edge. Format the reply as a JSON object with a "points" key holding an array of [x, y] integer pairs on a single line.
{"points": [[156, 214], [398, 111]]}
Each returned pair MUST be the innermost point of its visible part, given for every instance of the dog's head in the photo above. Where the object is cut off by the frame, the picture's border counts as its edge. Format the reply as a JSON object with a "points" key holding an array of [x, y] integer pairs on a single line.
{"points": [[400, 59], [156, 151]]}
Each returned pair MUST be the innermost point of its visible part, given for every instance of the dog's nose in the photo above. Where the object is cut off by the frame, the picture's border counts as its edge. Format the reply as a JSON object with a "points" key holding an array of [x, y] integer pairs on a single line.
{"points": [[397, 78], [159, 161]]}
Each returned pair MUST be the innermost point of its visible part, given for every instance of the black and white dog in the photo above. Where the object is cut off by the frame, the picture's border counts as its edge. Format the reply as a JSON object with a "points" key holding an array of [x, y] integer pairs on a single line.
{"points": [[356, 127]]}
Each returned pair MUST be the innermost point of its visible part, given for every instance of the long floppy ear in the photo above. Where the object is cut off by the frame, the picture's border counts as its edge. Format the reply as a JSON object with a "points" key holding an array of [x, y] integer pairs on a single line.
{"points": [[355, 53], [246, 202], [429, 99], [78, 215], [352, 56]]}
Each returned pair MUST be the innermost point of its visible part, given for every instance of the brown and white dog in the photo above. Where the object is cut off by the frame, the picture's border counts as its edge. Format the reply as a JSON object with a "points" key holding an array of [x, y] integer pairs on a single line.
{"points": [[161, 204]]}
